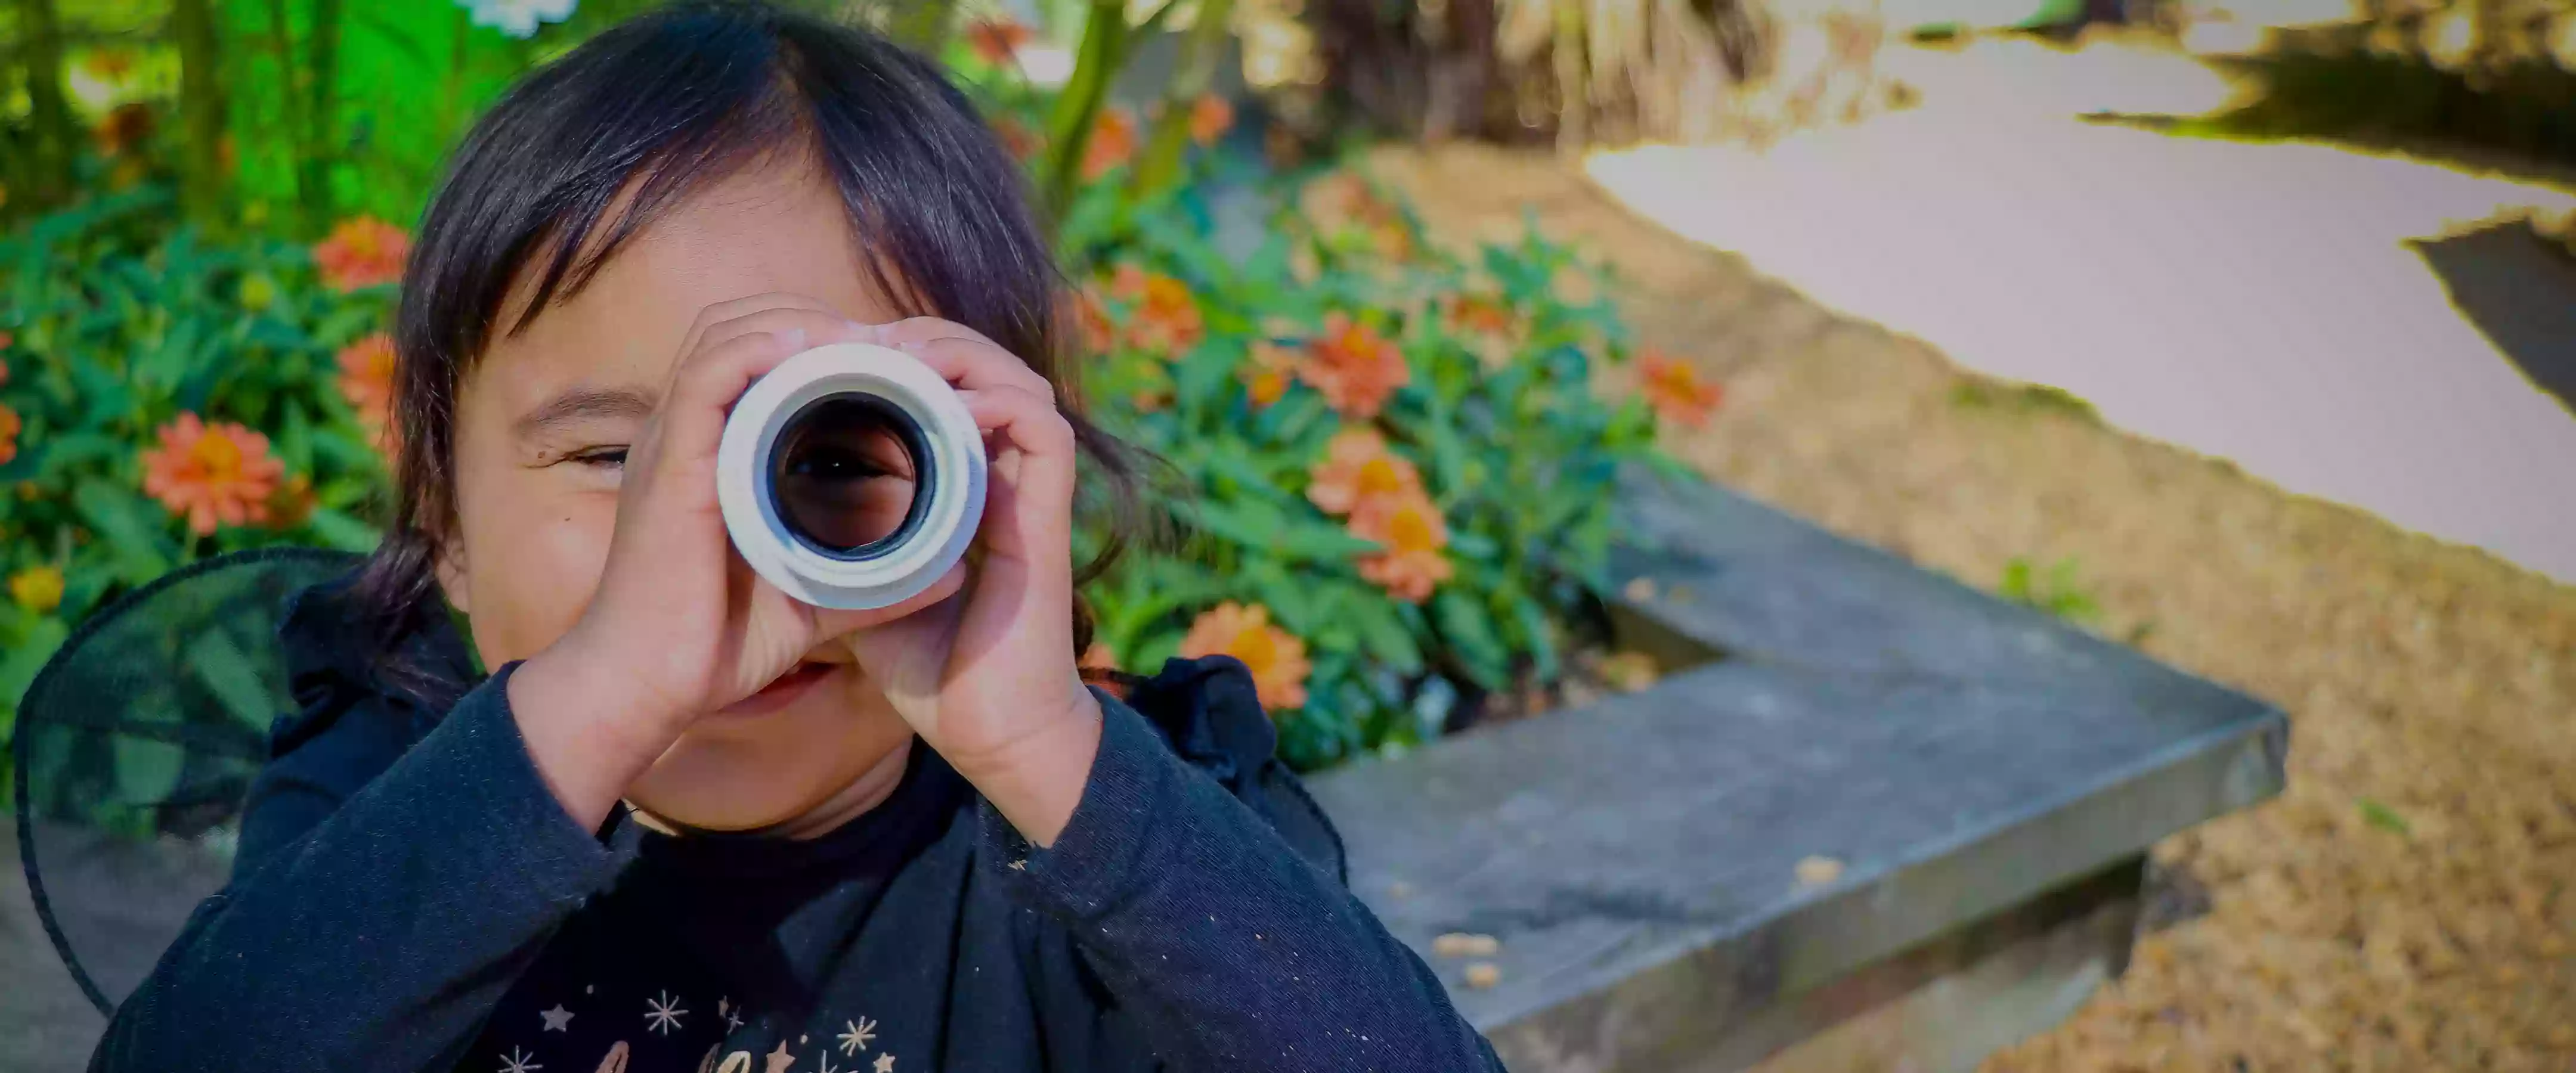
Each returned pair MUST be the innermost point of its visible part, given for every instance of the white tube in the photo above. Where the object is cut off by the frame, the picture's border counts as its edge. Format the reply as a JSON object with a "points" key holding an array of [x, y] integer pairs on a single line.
{"points": [[955, 472]]}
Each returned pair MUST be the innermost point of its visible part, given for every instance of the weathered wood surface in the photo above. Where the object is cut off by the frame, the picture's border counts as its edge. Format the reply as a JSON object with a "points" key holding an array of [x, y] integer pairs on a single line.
{"points": [[1638, 858]]}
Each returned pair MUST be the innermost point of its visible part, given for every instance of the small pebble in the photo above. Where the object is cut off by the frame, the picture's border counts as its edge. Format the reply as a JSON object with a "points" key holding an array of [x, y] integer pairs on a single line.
{"points": [[1459, 944], [1640, 590], [1484, 974], [1399, 890], [1818, 871]]}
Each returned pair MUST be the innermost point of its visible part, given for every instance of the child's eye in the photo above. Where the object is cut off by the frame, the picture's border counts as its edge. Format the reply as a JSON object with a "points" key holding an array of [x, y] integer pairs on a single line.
{"points": [[609, 457]]}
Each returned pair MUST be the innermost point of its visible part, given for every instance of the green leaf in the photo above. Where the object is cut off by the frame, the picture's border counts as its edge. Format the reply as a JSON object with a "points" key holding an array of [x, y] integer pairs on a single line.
{"points": [[1470, 633], [142, 550], [1383, 637], [343, 532], [2383, 817], [226, 673], [28, 656]]}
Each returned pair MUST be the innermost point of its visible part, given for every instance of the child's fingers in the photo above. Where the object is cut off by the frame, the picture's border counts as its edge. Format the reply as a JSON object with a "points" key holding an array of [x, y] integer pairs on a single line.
{"points": [[1034, 508], [975, 365], [734, 309], [813, 327], [925, 329]]}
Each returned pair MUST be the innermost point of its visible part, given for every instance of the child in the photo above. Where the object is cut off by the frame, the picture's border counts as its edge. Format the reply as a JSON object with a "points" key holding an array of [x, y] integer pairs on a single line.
{"points": [[688, 823]]}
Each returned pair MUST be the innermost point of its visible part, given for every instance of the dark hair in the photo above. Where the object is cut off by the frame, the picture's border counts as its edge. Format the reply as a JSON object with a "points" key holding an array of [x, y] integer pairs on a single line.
{"points": [[654, 110]]}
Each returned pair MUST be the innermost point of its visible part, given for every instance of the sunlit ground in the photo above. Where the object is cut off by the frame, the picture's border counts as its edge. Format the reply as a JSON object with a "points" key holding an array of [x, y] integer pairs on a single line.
{"points": [[2255, 302]]}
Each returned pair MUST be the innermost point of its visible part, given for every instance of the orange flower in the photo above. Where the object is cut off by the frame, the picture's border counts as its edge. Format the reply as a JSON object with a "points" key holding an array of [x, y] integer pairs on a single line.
{"points": [[1210, 118], [998, 41], [1476, 315], [1164, 321], [291, 503], [211, 473], [122, 128], [1346, 200], [1099, 657], [1355, 367], [362, 252], [1113, 142], [1674, 389], [110, 65], [9, 426], [1357, 468], [1272, 367], [1017, 138], [367, 380], [1099, 336], [1276, 657], [1412, 531]]}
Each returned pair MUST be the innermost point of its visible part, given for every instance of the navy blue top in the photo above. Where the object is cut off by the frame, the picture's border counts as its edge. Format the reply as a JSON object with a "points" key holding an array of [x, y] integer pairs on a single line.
{"points": [[409, 896]]}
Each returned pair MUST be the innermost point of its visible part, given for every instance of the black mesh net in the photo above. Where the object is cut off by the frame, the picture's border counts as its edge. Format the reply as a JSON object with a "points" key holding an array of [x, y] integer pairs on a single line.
{"points": [[134, 747]]}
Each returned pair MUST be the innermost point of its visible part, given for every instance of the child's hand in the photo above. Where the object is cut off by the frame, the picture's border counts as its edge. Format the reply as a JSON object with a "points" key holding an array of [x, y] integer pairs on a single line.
{"points": [[988, 677], [679, 626]]}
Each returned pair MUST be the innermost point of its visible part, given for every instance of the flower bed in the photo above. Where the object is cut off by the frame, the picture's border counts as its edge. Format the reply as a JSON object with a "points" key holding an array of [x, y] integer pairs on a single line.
{"points": [[1388, 466]]}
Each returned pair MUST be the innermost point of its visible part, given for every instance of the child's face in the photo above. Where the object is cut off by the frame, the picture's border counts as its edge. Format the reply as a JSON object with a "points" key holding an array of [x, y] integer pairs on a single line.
{"points": [[536, 502]]}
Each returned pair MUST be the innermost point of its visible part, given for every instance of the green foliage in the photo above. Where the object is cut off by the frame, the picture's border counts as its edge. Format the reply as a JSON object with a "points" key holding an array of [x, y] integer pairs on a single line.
{"points": [[125, 312], [2058, 591], [1510, 440], [120, 319]]}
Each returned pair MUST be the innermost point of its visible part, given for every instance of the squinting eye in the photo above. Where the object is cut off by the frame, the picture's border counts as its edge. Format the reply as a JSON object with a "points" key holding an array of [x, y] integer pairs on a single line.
{"points": [[614, 457]]}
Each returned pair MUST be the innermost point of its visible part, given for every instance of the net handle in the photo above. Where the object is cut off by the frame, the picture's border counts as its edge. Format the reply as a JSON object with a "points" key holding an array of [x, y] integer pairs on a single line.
{"points": [[18, 748]]}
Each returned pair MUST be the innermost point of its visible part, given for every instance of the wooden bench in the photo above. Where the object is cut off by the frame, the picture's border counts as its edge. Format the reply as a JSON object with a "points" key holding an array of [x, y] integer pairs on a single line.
{"points": [[1987, 778]]}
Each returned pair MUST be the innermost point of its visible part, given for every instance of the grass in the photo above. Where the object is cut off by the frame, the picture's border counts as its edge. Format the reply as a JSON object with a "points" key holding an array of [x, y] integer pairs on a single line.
{"points": [[1978, 394]]}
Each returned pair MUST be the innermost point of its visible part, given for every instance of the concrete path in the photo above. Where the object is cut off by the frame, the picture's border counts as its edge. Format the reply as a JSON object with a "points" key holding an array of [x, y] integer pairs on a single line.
{"points": [[2288, 307]]}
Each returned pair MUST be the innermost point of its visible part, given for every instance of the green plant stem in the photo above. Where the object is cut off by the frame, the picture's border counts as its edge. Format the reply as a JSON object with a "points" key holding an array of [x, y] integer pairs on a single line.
{"points": [[922, 25], [281, 43], [201, 108], [313, 183], [1104, 50], [1191, 76], [49, 179]]}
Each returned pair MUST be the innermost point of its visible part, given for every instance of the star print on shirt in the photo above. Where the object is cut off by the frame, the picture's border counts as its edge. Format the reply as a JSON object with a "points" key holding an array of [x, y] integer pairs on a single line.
{"points": [[885, 1063], [558, 1019], [826, 1067], [856, 1039], [663, 1015], [779, 1059], [515, 1062]]}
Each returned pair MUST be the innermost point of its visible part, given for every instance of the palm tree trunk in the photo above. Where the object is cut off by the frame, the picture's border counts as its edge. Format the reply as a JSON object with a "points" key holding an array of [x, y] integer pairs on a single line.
{"points": [[49, 176], [201, 107], [313, 179]]}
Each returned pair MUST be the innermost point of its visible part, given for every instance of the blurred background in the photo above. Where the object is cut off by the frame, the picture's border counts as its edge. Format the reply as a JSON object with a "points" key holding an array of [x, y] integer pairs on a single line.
{"points": [[2241, 334]]}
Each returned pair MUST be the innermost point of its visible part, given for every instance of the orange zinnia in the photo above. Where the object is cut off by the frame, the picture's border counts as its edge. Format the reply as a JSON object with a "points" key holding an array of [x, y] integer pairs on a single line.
{"points": [[211, 473], [1091, 314], [1016, 138], [1113, 141], [1276, 658], [8, 434], [1272, 366], [292, 503], [123, 128], [997, 41], [1210, 118], [1674, 389], [1354, 367], [1164, 320], [1356, 469], [1479, 316], [1412, 531], [362, 252], [367, 379]]}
